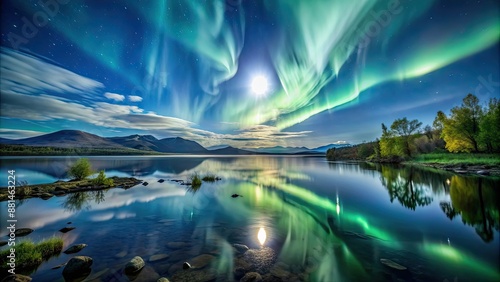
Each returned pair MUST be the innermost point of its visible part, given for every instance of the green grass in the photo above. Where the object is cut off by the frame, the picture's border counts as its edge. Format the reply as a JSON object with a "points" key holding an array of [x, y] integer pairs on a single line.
{"points": [[195, 180], [455, 159], [210, 178], [30, 255]]}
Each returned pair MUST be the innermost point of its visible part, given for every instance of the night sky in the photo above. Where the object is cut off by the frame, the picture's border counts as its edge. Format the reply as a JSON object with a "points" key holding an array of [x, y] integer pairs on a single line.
{"points": [[242, 73]]}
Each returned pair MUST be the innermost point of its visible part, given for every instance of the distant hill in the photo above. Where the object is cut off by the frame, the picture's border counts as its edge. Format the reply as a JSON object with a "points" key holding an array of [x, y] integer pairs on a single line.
{"points": [[280, 150], [325, 148], [66, 139], [140, 142], [180, 145], [231, 151], [147, 144]]}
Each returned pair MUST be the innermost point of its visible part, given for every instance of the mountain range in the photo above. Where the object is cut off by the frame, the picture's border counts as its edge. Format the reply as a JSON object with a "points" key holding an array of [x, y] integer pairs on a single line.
{"points": [[81, 139]]}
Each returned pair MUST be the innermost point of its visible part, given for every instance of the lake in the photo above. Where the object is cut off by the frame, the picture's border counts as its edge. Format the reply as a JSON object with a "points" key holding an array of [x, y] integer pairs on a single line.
{"points": [[302, 218]]}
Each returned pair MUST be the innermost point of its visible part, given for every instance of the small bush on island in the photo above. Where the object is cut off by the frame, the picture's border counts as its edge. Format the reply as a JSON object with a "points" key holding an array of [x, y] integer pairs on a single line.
{"points": [[195, 180], [80, 170], [30, 255], [210, 178], [101, 179]]}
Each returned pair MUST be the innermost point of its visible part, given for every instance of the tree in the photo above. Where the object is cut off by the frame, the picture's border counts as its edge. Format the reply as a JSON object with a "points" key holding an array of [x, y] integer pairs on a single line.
{"points": [[489, 127], [388, 146], [80, 170], [405, 129], [461, 129]]}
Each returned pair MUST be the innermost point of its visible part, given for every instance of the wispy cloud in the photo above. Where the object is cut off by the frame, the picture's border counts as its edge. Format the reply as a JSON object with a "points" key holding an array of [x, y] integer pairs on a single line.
{"points": [[28, 74], [18, 133], [114, 96], [132, 98]]}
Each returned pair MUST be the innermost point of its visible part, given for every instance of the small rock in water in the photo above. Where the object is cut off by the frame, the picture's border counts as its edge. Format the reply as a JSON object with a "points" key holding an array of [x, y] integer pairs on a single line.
{"points": [[145, 183], [186, 265], [121, 254], [392, 264], [77, 266], [75, 248], [161, 180], [3, 243], [163, 279], [69, 222], [235, 195], [134, 265], [23, 232], [202, 260], [241, 248], [66, 229]]}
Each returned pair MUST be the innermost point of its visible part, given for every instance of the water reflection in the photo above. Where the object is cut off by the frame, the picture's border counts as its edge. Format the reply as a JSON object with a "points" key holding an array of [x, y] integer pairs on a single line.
{"points": [[407, 185], [475, 199], [75, 202], [324, 221]]}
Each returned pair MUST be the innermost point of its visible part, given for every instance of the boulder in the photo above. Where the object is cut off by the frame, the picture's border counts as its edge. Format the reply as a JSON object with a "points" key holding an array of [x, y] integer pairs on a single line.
{"points": [[134, 265], [77, 266], [75, 248]]}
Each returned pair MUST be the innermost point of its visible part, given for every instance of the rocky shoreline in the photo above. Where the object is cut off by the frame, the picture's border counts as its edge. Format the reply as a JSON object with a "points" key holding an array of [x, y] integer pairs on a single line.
{"points": [[61, 188], [464, 169]]}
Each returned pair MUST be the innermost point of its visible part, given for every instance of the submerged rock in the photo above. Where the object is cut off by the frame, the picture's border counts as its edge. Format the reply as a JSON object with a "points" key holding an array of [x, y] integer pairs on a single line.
{"points": [[157, 257], [177, 245], [75, 248], [134, 265], [23, 232], [251, 277], [191, 275], [161, 180], [202, 260], [145, 183], [66, 229], [392, 264], [235, 195], [77, 266]]}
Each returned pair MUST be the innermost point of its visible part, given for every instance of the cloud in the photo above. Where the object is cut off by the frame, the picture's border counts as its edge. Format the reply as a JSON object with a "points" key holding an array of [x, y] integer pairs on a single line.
{"points": [[18, 133], [132, 98], [114, 96], [27, 74]]}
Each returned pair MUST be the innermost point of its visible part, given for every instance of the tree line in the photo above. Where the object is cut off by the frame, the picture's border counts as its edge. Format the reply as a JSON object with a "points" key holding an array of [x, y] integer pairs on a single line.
{"points": [[469, 128]]}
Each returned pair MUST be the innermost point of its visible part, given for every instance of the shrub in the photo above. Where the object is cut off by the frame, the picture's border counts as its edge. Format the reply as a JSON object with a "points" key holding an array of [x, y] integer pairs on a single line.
{"points": [[80, 170], [195, 180], [210, 178], [102, 180]]}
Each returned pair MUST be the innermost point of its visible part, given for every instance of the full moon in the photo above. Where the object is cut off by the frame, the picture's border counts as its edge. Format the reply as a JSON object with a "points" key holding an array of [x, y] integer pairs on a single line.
{"points": [[259, 85]]}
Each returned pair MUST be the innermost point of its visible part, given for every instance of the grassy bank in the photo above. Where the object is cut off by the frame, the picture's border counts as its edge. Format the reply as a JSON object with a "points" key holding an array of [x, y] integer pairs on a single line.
{"points": [[458, 159], [30, 255]]}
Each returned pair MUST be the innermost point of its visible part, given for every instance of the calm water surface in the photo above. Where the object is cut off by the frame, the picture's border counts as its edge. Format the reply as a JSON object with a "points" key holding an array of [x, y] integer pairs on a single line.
{"points": [[304, 219]]}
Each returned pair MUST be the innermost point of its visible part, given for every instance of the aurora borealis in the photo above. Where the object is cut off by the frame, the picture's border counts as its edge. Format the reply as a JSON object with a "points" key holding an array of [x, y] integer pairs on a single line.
{"points": [[336, 69]]}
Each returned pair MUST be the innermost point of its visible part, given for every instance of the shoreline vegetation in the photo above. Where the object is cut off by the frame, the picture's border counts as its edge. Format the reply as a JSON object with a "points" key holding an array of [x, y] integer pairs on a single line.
{"points": [[465, 142]]}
